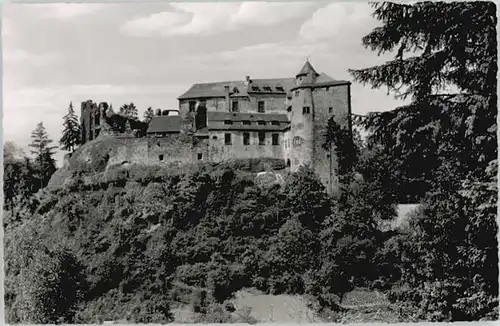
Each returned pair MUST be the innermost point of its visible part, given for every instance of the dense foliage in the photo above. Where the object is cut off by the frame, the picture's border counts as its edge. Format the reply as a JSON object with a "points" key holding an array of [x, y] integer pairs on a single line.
{"points": [[143, 236], [443, 146]]}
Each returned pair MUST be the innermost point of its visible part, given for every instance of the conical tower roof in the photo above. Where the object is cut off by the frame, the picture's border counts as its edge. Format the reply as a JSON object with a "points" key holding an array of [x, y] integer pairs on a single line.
{"points": [[306, 69]]}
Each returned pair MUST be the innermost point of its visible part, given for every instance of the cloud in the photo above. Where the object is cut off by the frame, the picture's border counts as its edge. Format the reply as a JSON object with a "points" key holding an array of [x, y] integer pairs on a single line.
{"points": [[67, 10], [20, 56], [212, 18], [338, 19]]}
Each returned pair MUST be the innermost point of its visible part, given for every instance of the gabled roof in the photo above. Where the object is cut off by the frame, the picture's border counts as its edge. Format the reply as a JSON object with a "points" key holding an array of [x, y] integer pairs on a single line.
{"points": [[306, 69], [165, 124], [216, 89]]}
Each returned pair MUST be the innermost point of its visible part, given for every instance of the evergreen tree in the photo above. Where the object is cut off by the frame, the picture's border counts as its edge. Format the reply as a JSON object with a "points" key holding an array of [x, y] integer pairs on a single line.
{"points": [[71, 134], [435, 51], [148, 115], [129, 110], [43, 154], [438, 141]]}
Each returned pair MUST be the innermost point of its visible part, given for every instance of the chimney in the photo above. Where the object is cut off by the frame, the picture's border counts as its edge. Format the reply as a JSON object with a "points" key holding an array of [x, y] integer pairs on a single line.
{"points": [[248, 80]]}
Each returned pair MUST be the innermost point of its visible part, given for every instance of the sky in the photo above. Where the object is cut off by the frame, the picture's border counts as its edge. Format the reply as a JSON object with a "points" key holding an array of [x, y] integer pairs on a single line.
{"points": [[150, 53]]}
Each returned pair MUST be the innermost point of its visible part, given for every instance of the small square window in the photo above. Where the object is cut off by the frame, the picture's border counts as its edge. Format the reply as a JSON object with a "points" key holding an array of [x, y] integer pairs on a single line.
{"points": [[227, 139], [160, 157], [200, 156], [214, 137], [280, 89], [297, 93], [276, 138], [246, 122], [255, 88], [306, 110], [235, 106], [275, 123], [228, 122], [330, 110], [262, 138], [261, 107], [261, 123], [246, 138], [267, 88]]}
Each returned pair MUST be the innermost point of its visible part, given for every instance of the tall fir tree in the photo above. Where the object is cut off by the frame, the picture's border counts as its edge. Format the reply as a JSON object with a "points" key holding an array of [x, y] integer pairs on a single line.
{"points": [[444, 142], [43, 154], [71, 136]]}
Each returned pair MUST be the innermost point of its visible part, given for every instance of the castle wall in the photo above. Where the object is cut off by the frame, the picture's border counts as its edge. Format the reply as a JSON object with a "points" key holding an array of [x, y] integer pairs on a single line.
{"points": [[237, 150], [301, 129], [172, 148], [273, 103], [336, 98]]}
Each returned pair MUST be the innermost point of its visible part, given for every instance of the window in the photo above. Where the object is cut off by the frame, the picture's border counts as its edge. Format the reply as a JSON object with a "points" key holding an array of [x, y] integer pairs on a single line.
{"points": [[279, 89], [306, 110], [267, 88], [228, 122], [261, 123], [275, 123], [246, 122], [214, 137], [297, 93], [160, 157], [200, 156], [227, 139], [235, 90], [330, 110], [255, 88], [235, 106], [276, 138], [262, 138], [261, 107], [246, 138], [289, 108], [192, 106], [288, 163]]}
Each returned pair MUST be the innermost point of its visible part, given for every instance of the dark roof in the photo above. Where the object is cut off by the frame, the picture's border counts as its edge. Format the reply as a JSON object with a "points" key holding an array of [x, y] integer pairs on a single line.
{"points": [[252, 127], [322, 84], [273, 84], [216, 89], [306, 69], [239, 116], [165, 124]]}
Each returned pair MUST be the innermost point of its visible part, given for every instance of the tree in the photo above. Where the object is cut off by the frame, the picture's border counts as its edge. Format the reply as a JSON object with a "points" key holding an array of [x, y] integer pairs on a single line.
{"points": [[452, 136], [456, 130], [18, 176], [43, 153], [129, 110], [148, 115], [52, 287], [71, 136]]}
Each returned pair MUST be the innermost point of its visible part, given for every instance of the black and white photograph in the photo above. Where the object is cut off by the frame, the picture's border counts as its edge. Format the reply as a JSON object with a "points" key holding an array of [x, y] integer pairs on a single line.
{"points": [[254, 162]]}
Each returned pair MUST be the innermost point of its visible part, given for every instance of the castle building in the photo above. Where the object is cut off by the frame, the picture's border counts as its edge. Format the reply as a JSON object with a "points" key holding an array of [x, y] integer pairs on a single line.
{"points": [[284, 118], [280, 118]]}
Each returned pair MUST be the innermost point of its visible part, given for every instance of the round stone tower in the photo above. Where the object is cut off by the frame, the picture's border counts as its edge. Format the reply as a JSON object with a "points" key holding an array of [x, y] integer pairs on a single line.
{"points": [[301, 117]]}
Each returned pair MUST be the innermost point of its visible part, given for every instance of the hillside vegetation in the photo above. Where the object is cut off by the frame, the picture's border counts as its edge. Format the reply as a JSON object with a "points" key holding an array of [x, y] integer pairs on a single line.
{"points": [[141, 238]]}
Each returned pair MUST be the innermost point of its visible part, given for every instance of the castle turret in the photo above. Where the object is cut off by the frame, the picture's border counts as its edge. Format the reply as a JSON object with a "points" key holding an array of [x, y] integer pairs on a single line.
{"points": [[302, 119]]}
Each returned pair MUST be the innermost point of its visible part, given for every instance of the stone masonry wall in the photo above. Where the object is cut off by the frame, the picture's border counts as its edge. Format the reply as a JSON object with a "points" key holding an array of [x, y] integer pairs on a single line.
{"points": [[218, 151], [336, 98]]}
